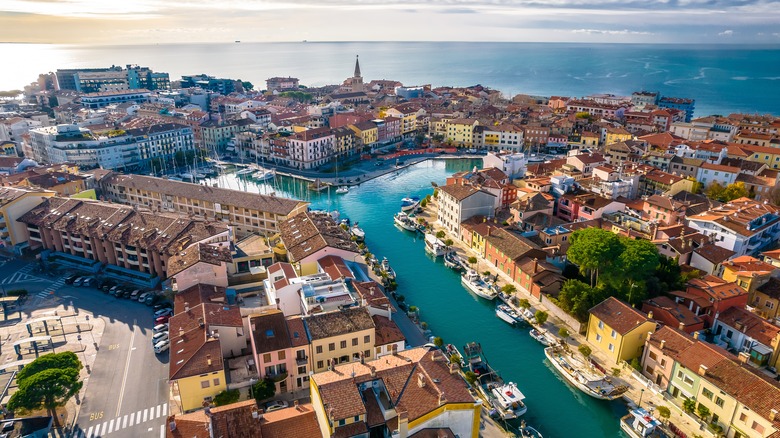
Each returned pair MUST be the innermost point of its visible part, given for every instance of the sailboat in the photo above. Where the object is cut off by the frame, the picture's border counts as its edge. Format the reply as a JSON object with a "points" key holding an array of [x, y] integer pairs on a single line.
{"points": [[341, 189]]}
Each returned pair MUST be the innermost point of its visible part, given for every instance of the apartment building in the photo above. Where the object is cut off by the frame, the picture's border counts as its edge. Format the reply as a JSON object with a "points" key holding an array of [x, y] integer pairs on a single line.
{"points": [[743, 225], [311, 148], [246, 212], [341, 336], [15, 202], [458, 203], [281, 349]]}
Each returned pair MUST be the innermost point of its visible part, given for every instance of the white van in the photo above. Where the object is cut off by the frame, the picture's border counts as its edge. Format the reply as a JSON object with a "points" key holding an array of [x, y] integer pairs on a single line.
{"points": [[160, 328], [161, 346], [158, 337]]}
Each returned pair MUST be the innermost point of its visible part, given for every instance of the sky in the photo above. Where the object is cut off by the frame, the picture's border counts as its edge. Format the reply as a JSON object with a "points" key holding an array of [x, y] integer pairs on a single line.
{"points": [[181, 21]]}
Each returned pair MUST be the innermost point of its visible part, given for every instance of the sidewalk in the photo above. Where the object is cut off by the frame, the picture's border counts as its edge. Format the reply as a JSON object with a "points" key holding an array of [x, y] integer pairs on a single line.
{"points": [[637, 389]]}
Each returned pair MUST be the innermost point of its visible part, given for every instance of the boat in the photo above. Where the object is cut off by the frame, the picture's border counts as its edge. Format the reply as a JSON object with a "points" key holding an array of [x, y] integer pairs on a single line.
{"points": [[454, 355], [527, 431], [404, 221], [640, 424], [541, 337], [508, 314], [186, 176], [528, 316], [387, 269], [409, 204], [244, 172], [318, 185], [358, 232], [474, 282], [342, 190], [583, 375], [175, 178], [263, 175], [451, 261], [505, 398], [434, 246]]}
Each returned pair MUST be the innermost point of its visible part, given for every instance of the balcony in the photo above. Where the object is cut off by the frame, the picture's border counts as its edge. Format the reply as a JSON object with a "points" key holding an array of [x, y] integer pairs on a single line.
{"points": [[301, 360]]}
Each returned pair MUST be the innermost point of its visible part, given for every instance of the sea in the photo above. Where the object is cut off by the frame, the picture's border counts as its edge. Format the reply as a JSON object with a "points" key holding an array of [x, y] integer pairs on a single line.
{"points": [[555, 408], [722, 78]]}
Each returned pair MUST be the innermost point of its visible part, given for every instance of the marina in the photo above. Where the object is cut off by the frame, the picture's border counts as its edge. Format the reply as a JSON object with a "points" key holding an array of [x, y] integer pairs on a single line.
{"points": [[452, 313]]}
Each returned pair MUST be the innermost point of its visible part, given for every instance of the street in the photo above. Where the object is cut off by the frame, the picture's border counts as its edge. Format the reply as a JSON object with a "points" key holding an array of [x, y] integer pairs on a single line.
{"points": [[126, 391]]}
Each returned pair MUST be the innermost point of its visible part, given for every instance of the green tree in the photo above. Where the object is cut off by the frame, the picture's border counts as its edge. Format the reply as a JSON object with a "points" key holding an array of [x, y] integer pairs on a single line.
{"points": [[247, 85], [541, 317], [440, 234], [470, 377], [714, 190], [509, 289], [664, 413], [563, 332], [689, 405], [734, 191], [523, 303], [227, 397], [64, 360], [263, 389], [438, 342], [577, 298], [637, 261], [585, 350], [472, 260], [703, 411], [593, 250], [449, 242], [46, 389]]}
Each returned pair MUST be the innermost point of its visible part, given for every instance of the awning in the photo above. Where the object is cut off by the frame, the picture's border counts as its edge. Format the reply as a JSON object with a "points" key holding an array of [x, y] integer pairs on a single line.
{"points": [[762, 349]]}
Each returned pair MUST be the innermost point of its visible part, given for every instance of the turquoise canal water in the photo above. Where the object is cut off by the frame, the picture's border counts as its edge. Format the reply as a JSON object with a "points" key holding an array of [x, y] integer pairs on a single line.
{"points": [[453, 313]]}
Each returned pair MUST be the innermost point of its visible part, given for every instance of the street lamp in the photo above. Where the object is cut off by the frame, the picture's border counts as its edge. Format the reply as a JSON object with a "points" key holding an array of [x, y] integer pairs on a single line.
{"points": [[641, 393]]}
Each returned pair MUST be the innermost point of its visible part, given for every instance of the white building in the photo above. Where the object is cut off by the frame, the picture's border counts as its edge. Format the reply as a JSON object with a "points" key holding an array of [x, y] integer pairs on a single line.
{"points": [[311, 148], [503, 137], [105, 98], [709, 173], [458, 203], [512, 164], [743, 225]]}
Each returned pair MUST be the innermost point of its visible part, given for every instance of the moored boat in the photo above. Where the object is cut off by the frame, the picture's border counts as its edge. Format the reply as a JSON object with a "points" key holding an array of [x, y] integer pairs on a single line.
{"points": [[342, 190], [410, 204], [244, 172], [387, 269], [404, 221], [583, 375], [452, 261], [505, 398], [474, 282], [541, 337], [434, 246], [507, 314], [527, 431], [358, 232], [454, 355], [640, 424]]}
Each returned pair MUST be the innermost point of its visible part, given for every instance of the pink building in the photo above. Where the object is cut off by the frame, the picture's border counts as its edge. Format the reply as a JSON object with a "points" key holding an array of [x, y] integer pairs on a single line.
{"points": [[280, 346]]}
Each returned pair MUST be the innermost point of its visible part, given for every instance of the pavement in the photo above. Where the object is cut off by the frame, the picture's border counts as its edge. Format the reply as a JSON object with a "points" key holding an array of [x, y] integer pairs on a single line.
{"points": [[640, 392], [125, 391]]}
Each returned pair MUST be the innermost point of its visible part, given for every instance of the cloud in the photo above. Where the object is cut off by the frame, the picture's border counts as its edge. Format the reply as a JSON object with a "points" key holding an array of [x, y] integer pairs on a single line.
{"points": [[611, 32], [727, 33]]}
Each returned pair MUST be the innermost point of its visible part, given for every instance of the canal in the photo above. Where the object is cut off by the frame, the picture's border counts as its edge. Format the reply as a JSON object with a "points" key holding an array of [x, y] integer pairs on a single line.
{"points": [[554, 408]]}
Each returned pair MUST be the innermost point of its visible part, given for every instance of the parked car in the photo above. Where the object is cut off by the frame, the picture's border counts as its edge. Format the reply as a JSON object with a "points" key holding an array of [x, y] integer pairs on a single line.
{"points": [[161, 346], [89, 282], [163, 312], [160, 336], [114, 288], [275, 405], [162, 319], [142, 297], [134, 294], [77, 281], [125, 293], [71, 278], [152, 299], [160, 328]]}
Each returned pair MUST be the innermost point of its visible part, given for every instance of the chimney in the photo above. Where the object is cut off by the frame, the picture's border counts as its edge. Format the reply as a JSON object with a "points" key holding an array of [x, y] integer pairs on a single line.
{"points": [[650, 315], [433, 355], [295, 405], [453, 368], [181, 331], [663, 344], [186, 307], [208, 359], [373, 371], [442, 399], [695, 335], [403, 424], [772, 414], [420, 380], [201, 323], [681, 326], [743, 357], [536, 263], [702, 370]]}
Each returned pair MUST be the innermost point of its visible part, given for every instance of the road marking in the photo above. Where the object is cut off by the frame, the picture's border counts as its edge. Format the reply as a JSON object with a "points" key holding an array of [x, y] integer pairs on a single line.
{"points": [[158, 411], [127, 369], [89, 432], [165, 409], [138, 417], [95, 416], [162, 431], [124, 422], [145, 412], [103, 430], [113, 347], [110, 426]]}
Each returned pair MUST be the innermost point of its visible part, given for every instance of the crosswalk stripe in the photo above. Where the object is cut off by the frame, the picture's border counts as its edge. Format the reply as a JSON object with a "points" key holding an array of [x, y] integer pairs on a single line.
{"points": [[165, 409], [145, 412], [111, 426], [162, 431], [159, 408], [138, 417], [131, 421], [103, 428], [124, 421], [89, 432]]}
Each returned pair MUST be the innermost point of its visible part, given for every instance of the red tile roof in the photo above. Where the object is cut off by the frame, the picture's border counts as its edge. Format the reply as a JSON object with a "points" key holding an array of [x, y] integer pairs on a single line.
{"points": [[618, 315]]}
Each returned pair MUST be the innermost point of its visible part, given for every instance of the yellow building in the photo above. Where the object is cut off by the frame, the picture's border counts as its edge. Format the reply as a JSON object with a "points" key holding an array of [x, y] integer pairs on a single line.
{"points": [[15, 202], [8, 148], [399, 394], [197, 370], [618, 330], [461, 131], [616, 135], [748, 272], [339, 337], [366, 131], [408, 114], [757, 154]]}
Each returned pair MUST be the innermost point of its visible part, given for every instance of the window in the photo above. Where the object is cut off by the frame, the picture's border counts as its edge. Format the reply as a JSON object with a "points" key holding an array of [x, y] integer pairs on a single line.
{"points": [[342, 422], [367, 353], [601, 324], [707, 393], [649, 370], [332, 346], [757, 427], [204, 384], [719, 402], [266, 357], [742, 417], [611, 347], [598, 338], [653, 355], [614, 334], [281, 355], [663, 363], [320, 364], [367, 339], [354, 342], [216, 382], [319, 349], [343, 344], [302, 370]]}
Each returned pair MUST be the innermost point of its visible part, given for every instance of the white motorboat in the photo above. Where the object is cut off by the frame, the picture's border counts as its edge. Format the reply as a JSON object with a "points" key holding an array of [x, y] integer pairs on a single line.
{"points": [[434, 246], [541, 337], [640, 424], [186, 176], [583, 375], [452, 261], [474, 282], [358, 232], [244, 172], [527, 431], [342, 190], [404, 221], [507, 399], [409, 204], [507, 314], [175, 178], [263, 175], [454, 355], [387, 269], [528, 316]]}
